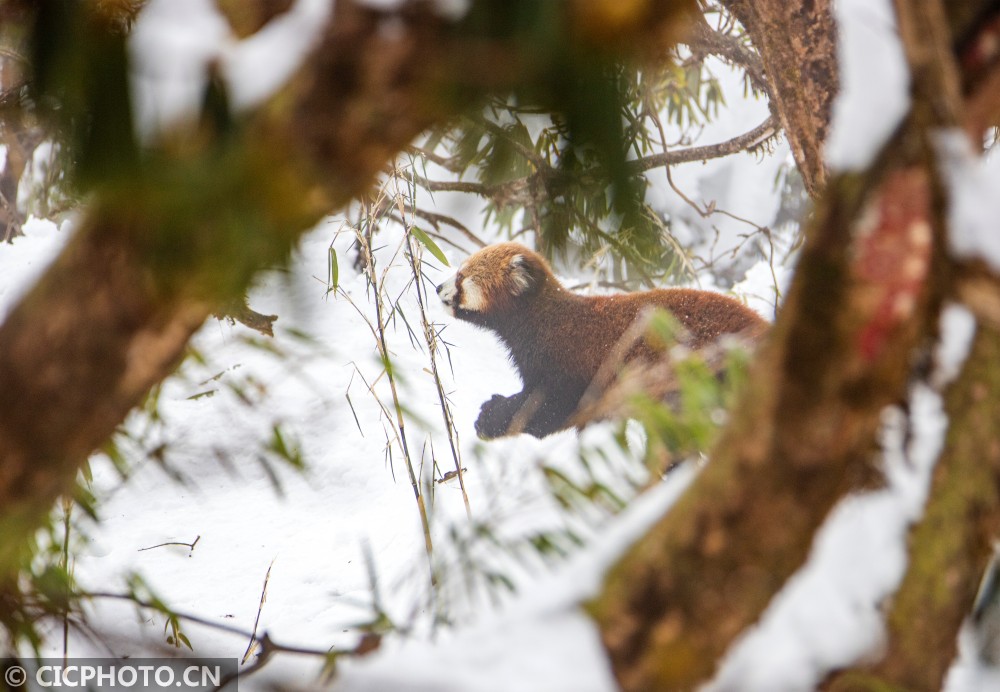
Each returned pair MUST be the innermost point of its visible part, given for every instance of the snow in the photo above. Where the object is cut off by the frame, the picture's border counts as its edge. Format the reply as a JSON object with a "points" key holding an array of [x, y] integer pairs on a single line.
{"points": [[171, 46], [257, 66], [348, 503], [22, 262], [544, 641], [763, 286], [317, 533], [451, 9], [969, 674], [173, 43], [564, 646], [874, 83], [829, 614], [973, 202], [317, 529], [958, 326]]}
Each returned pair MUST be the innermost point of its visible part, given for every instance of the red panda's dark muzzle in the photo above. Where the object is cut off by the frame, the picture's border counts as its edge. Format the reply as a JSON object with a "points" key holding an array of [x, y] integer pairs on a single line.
{"points": [[448, 292]]}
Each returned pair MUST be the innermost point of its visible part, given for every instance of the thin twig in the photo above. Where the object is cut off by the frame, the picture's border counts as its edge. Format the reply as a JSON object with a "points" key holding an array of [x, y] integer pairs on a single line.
{"points": [[252, 645], [436, 219], [705, 40], [67, 507], [266, 645], [446, 163], [190, 545], [194, 619], [430, 336], [379, 327]]}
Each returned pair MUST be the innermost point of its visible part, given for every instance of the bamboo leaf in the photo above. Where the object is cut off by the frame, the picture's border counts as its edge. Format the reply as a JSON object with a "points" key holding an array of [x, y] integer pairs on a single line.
{"points": [[333, 269], [429, 244]]}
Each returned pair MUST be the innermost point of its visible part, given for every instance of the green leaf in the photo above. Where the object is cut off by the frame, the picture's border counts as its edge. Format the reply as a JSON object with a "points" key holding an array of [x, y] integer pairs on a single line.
{"points": [[429, 244], [333, 269]]}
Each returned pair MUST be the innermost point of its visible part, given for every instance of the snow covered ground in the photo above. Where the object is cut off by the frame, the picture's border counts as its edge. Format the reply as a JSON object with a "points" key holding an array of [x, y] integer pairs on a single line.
{"points": [[320, 533], [323, 532]]}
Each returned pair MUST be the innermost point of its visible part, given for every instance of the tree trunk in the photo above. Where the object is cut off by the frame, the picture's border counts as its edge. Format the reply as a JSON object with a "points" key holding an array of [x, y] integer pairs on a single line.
{"points": [[79, 352], [805, 432], [953, 543], [801, 437], [797, 42]]}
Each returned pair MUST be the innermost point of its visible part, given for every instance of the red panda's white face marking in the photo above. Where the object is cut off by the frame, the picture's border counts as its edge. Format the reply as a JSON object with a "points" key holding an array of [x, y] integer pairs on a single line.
{"points": [[461, 292], [473, 298], [488, 280]]}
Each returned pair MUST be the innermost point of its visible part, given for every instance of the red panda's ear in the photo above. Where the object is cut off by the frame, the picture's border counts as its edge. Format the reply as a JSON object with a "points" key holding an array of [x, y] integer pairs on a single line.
{"points": [[521, 276]]}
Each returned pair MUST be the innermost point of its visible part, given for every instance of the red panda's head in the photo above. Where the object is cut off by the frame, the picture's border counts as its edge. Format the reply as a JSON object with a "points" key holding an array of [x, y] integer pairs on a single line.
{"points": [[493, 281]]}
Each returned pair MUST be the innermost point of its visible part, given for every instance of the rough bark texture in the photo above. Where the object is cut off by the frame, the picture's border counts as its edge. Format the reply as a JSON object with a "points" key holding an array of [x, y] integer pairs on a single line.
{"points": [[803, 436], [797, 43], [79, 352], [952, 544], [858, 315]]}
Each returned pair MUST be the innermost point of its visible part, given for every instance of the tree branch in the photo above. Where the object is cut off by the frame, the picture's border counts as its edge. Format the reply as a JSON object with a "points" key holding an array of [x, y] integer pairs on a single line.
{"points": [[796, 42], [519, 190], [748, 141], [706, 41]]}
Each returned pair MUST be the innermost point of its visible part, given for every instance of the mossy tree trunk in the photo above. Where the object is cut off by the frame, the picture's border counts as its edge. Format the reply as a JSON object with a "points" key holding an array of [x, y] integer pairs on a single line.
{"points": [[953, 543], [861, 311], [951, 546]]}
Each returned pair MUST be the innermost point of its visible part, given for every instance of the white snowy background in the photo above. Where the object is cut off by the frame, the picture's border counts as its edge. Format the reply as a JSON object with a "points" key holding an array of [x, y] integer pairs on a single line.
{"points": [[322, 533]]}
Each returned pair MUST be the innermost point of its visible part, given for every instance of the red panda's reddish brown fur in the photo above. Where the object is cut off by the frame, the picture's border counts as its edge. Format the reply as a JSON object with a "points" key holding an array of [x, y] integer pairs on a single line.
{"points": [[558, 340]]}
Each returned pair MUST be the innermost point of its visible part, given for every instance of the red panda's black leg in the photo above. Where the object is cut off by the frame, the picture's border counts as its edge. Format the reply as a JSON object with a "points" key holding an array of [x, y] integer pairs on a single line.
{"points": [[528, 412], [496, 416]]}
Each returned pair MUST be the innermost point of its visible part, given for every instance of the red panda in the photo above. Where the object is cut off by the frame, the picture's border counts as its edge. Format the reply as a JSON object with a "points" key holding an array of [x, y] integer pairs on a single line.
{"points": [[558, 339]]}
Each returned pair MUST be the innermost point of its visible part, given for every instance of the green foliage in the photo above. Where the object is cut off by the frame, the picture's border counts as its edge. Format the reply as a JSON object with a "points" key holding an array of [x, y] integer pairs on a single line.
{"points": [[686, 425], [144, 597], [46, 591], [557, 164], [288, 452], [431, 246], [333, 270], [691, 94]]}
